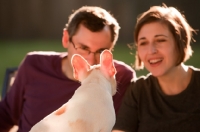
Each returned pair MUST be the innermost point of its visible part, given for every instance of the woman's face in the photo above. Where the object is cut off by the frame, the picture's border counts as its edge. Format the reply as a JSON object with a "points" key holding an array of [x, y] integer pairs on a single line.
{"points": [[156, 48]]}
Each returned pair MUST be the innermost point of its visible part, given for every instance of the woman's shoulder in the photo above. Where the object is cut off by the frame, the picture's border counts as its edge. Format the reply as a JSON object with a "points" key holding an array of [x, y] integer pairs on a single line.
{"points": [[195, 69], [143, 86], [144, 79], [196, 72], [144, 82]]}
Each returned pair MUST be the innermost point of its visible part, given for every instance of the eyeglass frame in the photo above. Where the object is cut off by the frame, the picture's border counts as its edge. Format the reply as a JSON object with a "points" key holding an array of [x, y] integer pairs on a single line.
{"points": [[89, 52]]}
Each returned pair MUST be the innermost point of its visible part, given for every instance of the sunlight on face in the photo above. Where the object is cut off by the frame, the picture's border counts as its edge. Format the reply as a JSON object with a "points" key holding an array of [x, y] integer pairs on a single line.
{"points": [[156, 48], [92, 42]]}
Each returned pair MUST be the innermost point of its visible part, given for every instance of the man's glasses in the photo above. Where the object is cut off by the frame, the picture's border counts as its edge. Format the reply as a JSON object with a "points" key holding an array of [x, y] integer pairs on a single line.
{"points": [[85, 51]]}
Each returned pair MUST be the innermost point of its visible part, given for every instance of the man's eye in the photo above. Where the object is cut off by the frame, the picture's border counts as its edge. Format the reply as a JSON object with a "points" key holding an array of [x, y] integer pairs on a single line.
{"points": [[100, 51], [84, 48]]}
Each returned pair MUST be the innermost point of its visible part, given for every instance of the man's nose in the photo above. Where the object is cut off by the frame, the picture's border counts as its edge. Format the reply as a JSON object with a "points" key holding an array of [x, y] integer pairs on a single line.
{"points": [[92, 59]]}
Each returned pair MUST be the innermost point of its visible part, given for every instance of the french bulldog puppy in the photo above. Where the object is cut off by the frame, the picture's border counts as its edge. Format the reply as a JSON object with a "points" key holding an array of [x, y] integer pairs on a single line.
{"points": [[91, 107]]}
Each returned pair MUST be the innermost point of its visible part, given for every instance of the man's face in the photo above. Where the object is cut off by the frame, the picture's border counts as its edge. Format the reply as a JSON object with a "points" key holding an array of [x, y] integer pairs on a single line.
{"points": [[89, 44]]}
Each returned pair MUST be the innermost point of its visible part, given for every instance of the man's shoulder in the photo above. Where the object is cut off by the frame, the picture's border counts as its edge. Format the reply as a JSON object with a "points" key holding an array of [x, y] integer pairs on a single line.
{"points": [[43, 53], [42, 57], [124, 69], [120, 65]]}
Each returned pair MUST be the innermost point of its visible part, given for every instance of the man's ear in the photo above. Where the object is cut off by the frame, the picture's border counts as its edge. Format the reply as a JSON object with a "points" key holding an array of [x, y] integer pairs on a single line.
{"points": [[65, 38], [80, 67]]}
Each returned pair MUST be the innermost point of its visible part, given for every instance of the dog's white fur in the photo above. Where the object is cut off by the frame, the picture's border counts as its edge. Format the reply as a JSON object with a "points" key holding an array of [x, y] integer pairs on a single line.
{"points": [[91, 107]]}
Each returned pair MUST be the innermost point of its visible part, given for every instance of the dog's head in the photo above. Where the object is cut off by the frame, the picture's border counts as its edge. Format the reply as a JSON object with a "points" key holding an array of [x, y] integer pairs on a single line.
{"points": [[81, 68]]}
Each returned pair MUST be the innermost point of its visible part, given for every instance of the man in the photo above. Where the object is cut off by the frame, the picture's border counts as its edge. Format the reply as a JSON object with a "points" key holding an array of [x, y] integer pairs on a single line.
{"points": [[45, 81]]}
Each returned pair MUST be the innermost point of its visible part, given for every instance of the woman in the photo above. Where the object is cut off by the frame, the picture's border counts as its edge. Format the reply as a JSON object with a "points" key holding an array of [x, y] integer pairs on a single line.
{"points": [[167, 99]]}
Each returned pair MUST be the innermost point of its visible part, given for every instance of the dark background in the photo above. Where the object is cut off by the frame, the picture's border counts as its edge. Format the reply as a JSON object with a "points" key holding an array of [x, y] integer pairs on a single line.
{"points": [[33, 25], [45, 19]]}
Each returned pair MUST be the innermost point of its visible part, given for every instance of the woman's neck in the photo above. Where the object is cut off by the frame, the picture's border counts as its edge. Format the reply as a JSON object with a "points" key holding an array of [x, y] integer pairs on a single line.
{"points": [[176, 80]]}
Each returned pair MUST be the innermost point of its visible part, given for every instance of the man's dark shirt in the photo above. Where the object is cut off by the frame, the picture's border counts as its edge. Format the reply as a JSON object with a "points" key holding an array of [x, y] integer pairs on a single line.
{"points": [[40, 88]]}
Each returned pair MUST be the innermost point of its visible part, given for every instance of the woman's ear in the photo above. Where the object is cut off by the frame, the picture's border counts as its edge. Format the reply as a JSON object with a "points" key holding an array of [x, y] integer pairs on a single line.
{"points": [[65, 38]]}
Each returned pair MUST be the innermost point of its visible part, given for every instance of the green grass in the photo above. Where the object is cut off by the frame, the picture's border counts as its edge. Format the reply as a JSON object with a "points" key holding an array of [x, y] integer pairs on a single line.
{"points": [[12, 52]]}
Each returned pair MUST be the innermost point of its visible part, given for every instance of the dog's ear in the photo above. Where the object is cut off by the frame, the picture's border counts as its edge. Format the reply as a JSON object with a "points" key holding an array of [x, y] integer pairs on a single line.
{"points": [[80, 66], [107, 65]]}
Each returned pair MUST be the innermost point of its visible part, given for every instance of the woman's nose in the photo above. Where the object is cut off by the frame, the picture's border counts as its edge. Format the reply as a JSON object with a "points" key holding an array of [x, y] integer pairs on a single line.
{"points": [[152, 49]]}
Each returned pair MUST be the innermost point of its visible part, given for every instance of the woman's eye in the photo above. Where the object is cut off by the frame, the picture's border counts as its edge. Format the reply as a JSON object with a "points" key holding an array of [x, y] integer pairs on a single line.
{"points": [[161, 40], [142, 43]]}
